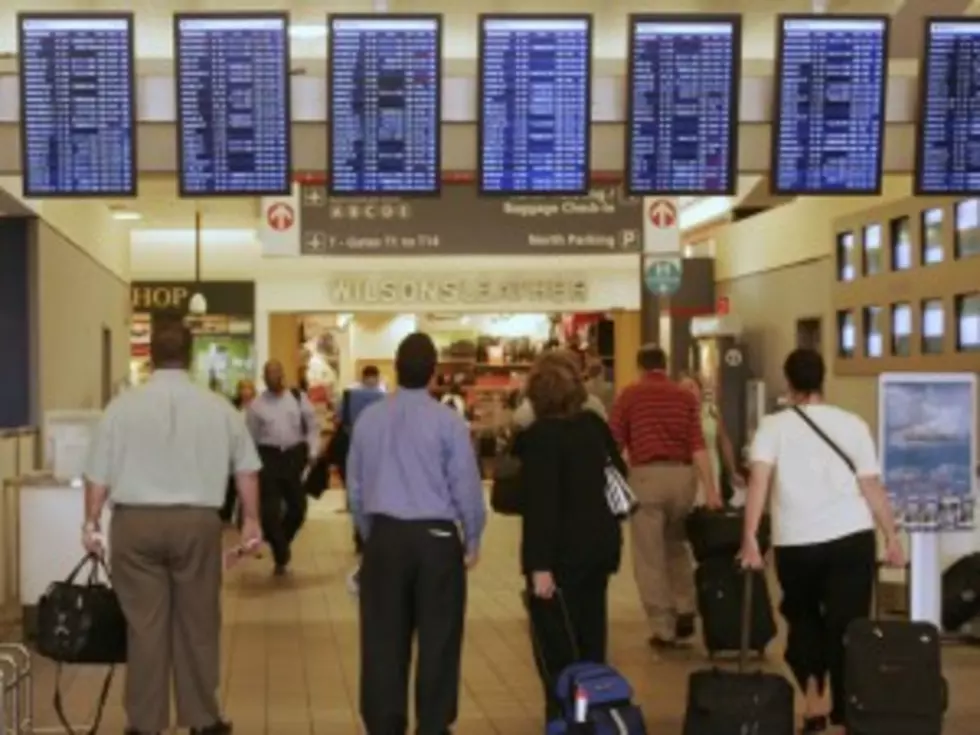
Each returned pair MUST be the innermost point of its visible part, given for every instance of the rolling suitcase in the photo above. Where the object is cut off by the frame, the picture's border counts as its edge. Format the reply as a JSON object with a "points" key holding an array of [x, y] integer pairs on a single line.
{"points": [[961, 593], [716, 534], [894, 680], [721, 588], [740, 703]]}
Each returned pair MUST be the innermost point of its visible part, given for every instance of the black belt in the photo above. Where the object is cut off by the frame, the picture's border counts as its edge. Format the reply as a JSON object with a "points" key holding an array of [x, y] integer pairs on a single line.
{"points": [[278, 449]]}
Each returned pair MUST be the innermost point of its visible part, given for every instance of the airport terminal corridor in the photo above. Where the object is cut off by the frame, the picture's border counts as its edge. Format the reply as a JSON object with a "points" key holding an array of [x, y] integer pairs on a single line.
{"points": [[290, 649]]}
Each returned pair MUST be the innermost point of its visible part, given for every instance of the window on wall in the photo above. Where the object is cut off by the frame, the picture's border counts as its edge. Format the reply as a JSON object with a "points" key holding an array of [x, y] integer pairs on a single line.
{"points": [[932, 236], [873, 346], [901, 244], [901, 336], [846, 334], [873, 260], [845, 257], [968, 228], [933, 326], [968, 322]]}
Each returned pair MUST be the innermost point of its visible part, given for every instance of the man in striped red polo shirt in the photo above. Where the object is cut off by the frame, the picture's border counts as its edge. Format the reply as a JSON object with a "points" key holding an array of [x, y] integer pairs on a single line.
{"points": [[658, 425]]}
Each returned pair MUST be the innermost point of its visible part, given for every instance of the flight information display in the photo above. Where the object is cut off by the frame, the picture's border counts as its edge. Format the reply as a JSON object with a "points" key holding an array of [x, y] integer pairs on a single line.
{"points": [[385, 105], [683, 105], [78, 105], [949, 130], [233, 104], [535, 104], [830, 103]]}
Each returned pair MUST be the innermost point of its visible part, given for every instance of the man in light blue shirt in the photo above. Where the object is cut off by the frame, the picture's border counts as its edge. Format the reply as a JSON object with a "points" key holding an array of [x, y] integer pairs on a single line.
{"points": [[417, 499], [284, 426]]}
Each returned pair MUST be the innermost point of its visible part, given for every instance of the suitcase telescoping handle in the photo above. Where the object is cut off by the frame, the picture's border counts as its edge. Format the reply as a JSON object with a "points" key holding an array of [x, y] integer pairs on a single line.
{"points": [[746, 630]]}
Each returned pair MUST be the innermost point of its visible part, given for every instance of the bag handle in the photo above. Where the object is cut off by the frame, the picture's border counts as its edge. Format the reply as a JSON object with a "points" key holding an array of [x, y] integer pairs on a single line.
{"points": [[746, 629], [827, 440], [559, 599], [96, 562], [59, 707]]}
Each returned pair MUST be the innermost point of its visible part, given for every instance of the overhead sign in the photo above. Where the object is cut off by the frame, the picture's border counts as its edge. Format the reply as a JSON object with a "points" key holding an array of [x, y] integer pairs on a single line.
{"points": [[662, 276], [422, 290], [235, 298], [461, 222], [281, 216], [661, 226], [278, 226]]}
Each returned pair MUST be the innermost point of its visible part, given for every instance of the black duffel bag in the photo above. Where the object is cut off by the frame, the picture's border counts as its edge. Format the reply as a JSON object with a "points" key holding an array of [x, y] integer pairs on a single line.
{"points": [[715, 534], [82, 624]]}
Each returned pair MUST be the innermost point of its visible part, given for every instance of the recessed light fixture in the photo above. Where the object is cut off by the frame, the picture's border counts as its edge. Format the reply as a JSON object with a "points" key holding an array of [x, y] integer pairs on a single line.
{"points": [[126, 215]]}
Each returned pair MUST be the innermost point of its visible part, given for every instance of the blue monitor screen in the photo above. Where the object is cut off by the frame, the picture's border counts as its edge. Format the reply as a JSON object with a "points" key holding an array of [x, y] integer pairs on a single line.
{"points": [[535, 104], [949, 127], [385, 105], [830, 99], [78, 105], [233, 104], [683, 106]]}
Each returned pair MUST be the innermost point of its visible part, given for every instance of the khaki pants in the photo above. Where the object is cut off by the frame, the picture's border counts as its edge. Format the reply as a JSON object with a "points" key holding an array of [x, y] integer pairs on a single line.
{"points": [[166, 569], [662, 563]]}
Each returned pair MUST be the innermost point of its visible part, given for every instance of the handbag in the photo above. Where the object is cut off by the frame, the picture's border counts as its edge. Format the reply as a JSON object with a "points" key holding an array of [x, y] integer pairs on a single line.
{"points": [[82, 624], [619, 495]]}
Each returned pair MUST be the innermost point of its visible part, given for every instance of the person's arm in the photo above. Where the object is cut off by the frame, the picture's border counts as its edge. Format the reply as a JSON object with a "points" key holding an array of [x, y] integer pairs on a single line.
{"points": [[465, 484], [700, 456], [765, 450], [312, 426], [355, 481], [245, 465], [868, 472], [98, 473], [619, 423], [726, 451], [540, 466]]}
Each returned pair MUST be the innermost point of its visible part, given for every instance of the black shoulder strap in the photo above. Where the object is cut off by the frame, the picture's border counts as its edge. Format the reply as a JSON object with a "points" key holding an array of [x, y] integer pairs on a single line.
{"points": [[298, 395], [829, 442]]}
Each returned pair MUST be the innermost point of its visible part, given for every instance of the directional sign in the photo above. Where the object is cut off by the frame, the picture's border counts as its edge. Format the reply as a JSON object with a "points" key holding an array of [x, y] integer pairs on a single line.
{"points": [[280, 216], [661, 230], [662, 213], [662, 276]]}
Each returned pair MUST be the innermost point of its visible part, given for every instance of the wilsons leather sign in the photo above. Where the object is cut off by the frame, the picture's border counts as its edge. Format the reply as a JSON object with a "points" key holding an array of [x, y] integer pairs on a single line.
{"points": [[450, 290]]}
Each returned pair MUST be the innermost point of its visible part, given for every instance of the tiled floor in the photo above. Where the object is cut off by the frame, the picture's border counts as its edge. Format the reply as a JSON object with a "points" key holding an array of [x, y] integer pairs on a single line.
{"points": [[291, 651]]}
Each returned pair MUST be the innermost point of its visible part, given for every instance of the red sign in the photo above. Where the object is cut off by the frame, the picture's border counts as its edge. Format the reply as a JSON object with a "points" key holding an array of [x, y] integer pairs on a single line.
{"points": [[662, 214], [723, 307], [280, 216]]}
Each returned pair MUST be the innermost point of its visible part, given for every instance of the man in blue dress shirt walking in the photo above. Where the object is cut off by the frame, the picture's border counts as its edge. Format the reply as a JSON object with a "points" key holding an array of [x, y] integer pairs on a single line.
{"points": [[417, 499]]}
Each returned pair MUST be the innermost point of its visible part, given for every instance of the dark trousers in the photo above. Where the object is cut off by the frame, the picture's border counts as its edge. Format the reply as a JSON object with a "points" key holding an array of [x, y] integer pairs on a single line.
{"points": [[825, 587], [570, 627], [413, 582], [282, 499]]}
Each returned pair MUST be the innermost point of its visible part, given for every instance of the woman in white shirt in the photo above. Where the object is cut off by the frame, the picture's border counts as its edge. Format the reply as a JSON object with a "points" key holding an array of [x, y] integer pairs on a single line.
{"points": [[827, 495]]}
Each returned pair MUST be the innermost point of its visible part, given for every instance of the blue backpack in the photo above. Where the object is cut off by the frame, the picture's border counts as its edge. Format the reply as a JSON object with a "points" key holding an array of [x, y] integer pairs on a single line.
{"points": [[611, 709]]}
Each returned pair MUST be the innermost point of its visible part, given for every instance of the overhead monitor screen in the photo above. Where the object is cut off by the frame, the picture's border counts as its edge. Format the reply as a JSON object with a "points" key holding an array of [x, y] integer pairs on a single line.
{"points": [[948, 155], [682, 124], [385, 105], [830, 100], [535, 104], [78, 105], [233, 104]]}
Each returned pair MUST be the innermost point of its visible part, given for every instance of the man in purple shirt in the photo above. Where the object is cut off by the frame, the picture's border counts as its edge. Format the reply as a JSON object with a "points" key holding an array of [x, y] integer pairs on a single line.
{"points": [[417, 499]]}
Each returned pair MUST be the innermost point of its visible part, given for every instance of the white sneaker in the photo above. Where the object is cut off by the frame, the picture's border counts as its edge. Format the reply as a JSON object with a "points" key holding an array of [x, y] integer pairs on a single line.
{"points": [[354, 582]]}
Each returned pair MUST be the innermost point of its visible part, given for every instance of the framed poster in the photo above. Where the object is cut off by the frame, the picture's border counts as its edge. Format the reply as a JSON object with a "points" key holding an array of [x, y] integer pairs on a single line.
{"points": [[927, 424]]}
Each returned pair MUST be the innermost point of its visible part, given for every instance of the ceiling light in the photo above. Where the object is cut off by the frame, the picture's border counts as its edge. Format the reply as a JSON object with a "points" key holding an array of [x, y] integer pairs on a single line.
{"points": [[126, 215]]}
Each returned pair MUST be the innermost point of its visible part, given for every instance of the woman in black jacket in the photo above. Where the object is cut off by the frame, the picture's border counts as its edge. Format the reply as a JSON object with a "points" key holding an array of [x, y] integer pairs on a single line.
{"points": [[570, 541]]}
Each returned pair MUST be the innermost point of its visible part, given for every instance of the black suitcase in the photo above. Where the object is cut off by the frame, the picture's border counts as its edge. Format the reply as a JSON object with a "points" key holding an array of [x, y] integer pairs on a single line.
{"points": [[961, 593], [718, 533], [740, 703], [894, 680], [721, 589]]}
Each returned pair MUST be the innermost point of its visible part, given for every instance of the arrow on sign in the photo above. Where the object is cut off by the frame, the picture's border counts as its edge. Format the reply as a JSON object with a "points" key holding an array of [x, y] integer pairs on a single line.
{"points": [[280, 216], [315, 240], [313, 197], [663, 214]]}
